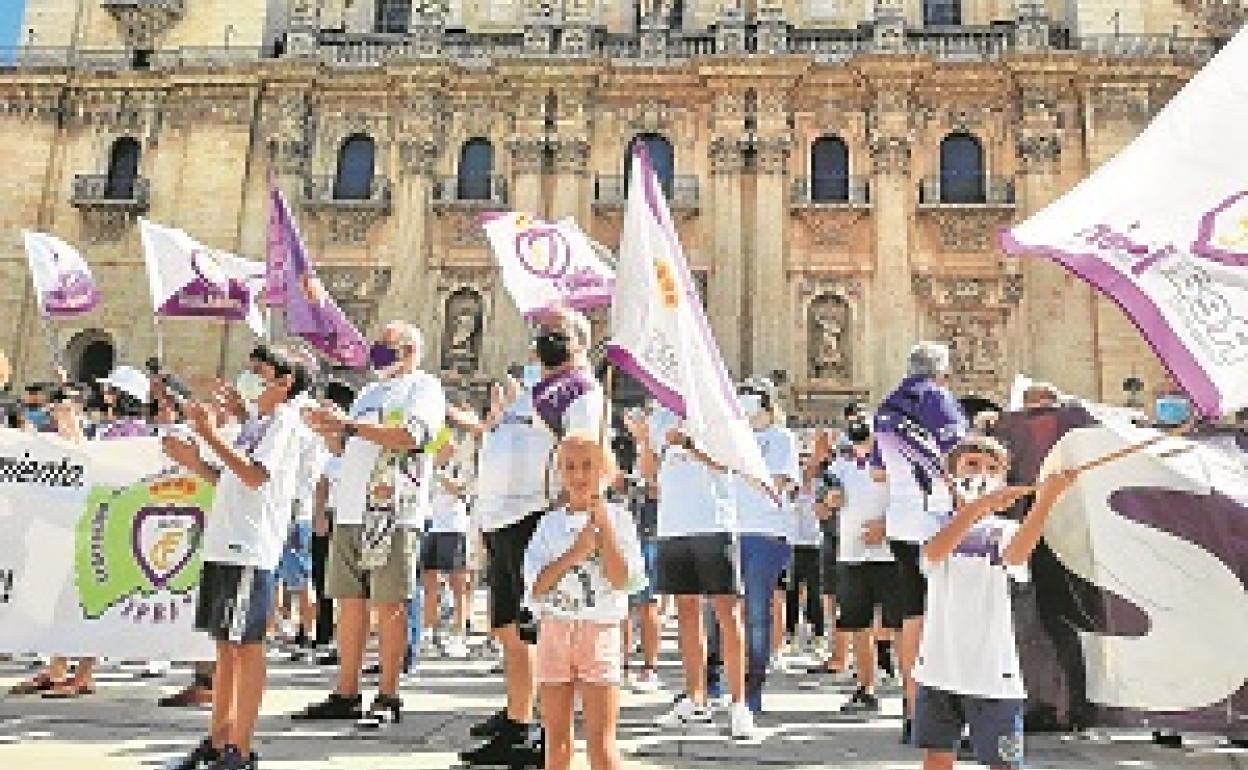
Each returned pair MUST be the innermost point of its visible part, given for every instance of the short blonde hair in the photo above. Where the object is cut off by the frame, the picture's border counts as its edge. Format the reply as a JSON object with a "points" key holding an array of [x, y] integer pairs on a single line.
{"points": [[584, 438]]}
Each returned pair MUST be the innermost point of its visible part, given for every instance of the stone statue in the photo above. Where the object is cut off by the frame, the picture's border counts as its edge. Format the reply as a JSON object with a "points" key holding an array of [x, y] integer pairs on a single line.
{"points": [[827, 329]]}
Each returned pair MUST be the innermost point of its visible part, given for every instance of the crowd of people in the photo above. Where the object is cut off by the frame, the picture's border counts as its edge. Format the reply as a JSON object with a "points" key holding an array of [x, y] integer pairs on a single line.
{"points": [[878, 545]]}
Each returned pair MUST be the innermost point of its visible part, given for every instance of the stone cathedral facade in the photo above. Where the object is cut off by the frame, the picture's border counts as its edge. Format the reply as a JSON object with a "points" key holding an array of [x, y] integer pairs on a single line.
{"points": [[838, 169]]}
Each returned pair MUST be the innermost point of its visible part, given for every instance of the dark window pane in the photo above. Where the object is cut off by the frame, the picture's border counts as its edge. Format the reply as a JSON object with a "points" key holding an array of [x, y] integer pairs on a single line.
{"points": [[476, 167], [123, 168], [942, 12], [661, 158], [354, 181], [829, 170], [393, 15], [961, 170]]}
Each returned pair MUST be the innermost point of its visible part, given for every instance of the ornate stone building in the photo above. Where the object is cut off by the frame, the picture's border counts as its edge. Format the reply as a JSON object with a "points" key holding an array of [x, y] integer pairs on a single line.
{"points": [[837, 168]]}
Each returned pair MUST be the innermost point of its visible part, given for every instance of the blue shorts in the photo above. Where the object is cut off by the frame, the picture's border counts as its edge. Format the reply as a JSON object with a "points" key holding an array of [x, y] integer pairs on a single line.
{"points": [[295, 567], [234, 602], [996, 725], [650, 555]]}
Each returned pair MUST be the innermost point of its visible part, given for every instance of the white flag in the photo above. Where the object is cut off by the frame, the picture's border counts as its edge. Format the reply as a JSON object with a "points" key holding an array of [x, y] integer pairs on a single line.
{"points": [[64, 287], [1162, 229], [189, 280], [546, 264], [660, 335]]}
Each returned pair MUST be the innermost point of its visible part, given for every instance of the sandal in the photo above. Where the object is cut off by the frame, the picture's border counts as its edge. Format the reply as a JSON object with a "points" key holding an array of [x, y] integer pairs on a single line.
{"points": [[68, 689], [36, 684]]}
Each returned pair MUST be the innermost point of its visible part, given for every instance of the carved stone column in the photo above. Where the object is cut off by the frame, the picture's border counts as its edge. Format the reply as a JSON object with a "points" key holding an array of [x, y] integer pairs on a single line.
{"points": [[726, 288], [890, 25], [571, 192], [772, 327]]}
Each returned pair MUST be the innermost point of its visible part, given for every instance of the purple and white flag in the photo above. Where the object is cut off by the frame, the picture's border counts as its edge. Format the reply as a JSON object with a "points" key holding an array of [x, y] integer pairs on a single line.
{"points": [[547, 264], [660, 335], [64, 287], [311, 312], [1162, 230], [190, 280]]}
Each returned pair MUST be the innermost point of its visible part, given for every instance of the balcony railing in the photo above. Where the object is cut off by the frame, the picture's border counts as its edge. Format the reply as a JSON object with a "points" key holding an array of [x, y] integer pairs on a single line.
{"points": [[968, 190], [327, 192], [831, 191], [164, 6], [100, 191], [471, 191], [962, 42], [611, 191], [1134, 46]]}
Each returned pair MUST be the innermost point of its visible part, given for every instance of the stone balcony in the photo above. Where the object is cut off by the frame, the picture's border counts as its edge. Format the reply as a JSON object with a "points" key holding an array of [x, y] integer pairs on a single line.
{"points": [[975, 191], [326, 193], [682, 192], [830, 191], [100, 192], [483, 192]]}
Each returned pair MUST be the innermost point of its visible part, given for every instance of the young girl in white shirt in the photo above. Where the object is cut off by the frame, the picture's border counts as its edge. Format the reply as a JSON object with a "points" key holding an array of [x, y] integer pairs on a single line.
{"points": [[579, 569]]}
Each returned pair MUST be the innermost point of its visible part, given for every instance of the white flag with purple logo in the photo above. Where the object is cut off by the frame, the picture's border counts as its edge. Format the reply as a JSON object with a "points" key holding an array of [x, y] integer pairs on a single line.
{"points": [[189, 280], [1162, 230], [660, 335], [64, 287], [547, 264]]}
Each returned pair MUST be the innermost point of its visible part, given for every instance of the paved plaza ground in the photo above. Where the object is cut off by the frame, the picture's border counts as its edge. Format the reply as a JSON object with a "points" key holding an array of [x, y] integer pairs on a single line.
{"points": [[121, 727]]}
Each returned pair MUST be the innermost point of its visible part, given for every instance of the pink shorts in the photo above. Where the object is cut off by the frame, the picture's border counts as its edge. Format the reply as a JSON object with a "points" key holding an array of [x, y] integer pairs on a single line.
{"points": [[578, 651]]}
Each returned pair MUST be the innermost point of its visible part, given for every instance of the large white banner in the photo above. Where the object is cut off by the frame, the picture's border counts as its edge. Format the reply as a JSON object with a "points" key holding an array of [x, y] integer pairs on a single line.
{"points": [[100, 549]]}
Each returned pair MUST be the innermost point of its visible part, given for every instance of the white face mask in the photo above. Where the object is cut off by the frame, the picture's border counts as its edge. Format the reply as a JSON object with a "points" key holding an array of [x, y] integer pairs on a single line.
{"points": [[250, 385], [532, 375], [971, 488], [751, 404]]}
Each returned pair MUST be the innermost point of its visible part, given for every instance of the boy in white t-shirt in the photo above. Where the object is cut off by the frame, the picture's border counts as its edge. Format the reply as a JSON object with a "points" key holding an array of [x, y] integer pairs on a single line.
{"points": [[243, 539], [444, 552], [968, 672], [580, 566]]}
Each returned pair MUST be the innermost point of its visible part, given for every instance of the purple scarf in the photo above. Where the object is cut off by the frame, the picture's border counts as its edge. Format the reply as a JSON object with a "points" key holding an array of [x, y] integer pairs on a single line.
{"points": [[924, 421], [553, 395]]}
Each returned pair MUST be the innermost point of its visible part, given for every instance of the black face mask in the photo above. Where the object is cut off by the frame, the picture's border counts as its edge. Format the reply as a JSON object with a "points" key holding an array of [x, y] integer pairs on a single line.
{"points": [[858, 433], [552, 349]]}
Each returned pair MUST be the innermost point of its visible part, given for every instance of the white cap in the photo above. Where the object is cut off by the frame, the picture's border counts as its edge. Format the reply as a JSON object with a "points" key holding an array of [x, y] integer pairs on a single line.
{"points": [[130, 381]]}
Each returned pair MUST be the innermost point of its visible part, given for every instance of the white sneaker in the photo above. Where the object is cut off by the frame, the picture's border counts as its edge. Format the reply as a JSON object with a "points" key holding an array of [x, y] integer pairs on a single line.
{"points": [[456, 648], [156, 669], [646, 681], [685, 712], [428, 649], [741, 722]]}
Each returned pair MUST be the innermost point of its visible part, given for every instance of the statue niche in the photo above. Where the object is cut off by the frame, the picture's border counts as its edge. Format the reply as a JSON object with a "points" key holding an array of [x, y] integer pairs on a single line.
{"points": [[827, 329], [461, 335]]}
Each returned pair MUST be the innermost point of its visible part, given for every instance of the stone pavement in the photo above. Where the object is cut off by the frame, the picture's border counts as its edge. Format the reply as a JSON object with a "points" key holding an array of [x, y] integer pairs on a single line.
{"points": [[121, 728]]}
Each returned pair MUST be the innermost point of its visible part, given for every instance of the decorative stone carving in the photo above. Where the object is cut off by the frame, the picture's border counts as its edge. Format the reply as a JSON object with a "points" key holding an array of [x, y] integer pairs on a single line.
{"points": [[357, 290], [197, 106], [348, 226], [527, 153], [967, 230], [1121, 103], [969, 291], [649, 116], [460, 227], [977, 340], [284, 123], [772, 154], [828, 354], [142, 22], [890, 155], [571, 155], [106, 225], [418, 156], [462, 331], [726, 156], [1038, 153], [128, 110], [830, 227]]}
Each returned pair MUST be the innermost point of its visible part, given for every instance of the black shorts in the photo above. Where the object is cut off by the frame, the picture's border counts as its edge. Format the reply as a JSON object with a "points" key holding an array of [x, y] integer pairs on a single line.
{"points": [[235, 602], [700, 565], [504, 568], [865, 586], [786, 574], [911, 582], [831, 569], [444, 551]]}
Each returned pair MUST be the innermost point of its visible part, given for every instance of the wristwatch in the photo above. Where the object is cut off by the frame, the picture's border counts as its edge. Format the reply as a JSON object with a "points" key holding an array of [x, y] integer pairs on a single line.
{"points": [[349, 429]]}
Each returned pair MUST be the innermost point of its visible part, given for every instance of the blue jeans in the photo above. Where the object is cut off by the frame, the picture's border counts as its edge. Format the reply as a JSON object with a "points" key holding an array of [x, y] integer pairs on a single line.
{"points": [[763, 559]]}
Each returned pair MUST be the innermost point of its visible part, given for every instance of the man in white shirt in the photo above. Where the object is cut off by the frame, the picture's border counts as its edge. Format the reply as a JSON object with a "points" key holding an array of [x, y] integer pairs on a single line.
{"points": [[380, 500], [243, 538], [516, 482]]}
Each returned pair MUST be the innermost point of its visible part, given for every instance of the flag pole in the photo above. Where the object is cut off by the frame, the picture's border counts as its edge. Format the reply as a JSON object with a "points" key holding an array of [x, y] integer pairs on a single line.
{"points": [[608, 388], [54, 346]]}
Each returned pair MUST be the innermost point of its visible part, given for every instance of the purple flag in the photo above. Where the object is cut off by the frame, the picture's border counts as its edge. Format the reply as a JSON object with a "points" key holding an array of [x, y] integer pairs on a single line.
{"points": [[310, 312]]}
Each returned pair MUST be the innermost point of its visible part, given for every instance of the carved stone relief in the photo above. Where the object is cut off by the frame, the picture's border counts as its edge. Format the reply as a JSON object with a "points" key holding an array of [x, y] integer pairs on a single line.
{"points": [[357, 290], [830, 227], [828, 354], [967, 230], [462, 331]]}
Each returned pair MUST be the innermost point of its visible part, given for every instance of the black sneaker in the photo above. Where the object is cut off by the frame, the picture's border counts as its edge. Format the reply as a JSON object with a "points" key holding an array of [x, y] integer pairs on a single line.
{"points": [[386, 710], [514, 746], [232, 759], [491, 726], [329, 658], [905, 733], [862, 702], [201, 756], [335, 707]]}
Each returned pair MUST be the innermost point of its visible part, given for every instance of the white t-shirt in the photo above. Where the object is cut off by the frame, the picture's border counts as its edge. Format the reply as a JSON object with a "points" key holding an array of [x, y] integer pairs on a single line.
{"points": [[968, 644], [249, 526], [693, 499], [583, 593], [911, 517], [313, 455], [805, 528], [864, 500], [414, 401], [757, 513], [511, 483], [450, 511]]}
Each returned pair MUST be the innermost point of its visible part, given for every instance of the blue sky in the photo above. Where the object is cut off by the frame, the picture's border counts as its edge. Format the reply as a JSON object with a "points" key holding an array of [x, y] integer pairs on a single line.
{"points": [[10, 21]]}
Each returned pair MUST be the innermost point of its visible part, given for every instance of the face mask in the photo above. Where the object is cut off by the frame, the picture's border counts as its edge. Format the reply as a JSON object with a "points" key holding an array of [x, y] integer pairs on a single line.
{"points": [[532, 375], [971, 488], [858, 433], [382, 356], [250, 385], [552, 349], [751, 404], [1172, 410]]}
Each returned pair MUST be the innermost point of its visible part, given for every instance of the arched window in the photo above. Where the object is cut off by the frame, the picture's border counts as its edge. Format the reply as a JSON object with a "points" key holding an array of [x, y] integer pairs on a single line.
{"points": [[829, 169], [393, 15], [961, 169], [354, 181], [938, 13], [661, 158], [91, 355], [123, 169], [476, 169]]}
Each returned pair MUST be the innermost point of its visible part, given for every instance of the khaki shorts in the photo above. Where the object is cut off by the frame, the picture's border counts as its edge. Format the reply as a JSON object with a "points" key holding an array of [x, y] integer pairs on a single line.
{"points": [[345, 579]]}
